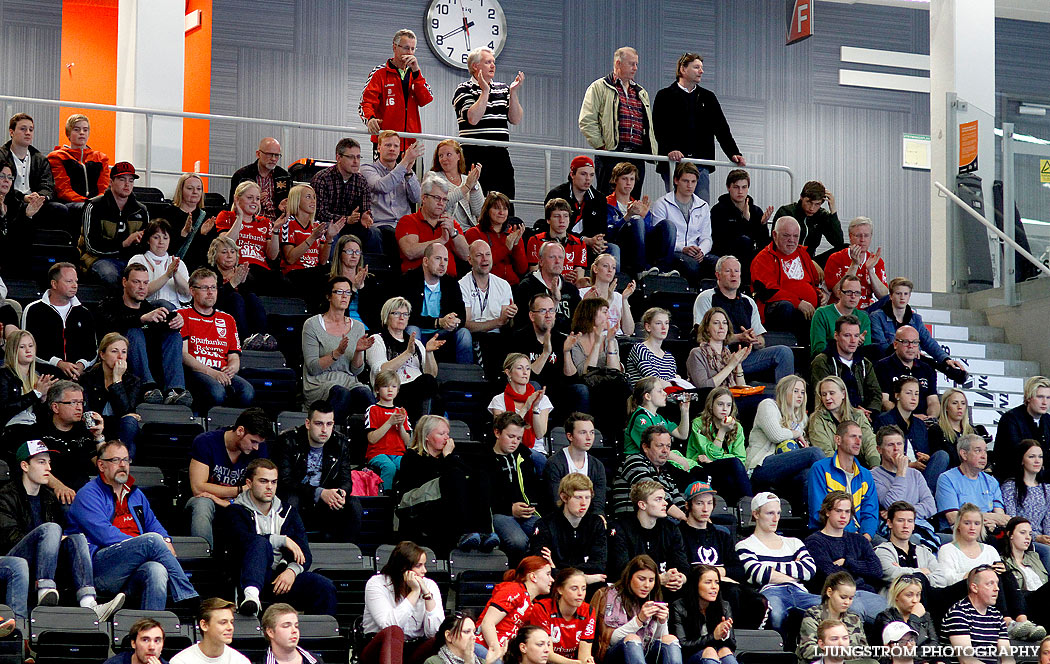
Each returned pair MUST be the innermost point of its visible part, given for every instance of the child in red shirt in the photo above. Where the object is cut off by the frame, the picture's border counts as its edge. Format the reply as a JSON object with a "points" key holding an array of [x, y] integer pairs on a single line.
{"points": [[388, 429]]}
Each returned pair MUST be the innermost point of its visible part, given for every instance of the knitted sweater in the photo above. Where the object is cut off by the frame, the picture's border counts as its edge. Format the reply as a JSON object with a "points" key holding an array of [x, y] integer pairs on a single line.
{"points": [[767, 433], [760, 561], [859, 558]]}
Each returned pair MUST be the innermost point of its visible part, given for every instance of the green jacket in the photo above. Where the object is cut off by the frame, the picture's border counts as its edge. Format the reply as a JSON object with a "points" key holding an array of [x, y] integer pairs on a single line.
{"points": [[701, 444], [823, 365], [821, 433], [822, 327], [599, 113]]}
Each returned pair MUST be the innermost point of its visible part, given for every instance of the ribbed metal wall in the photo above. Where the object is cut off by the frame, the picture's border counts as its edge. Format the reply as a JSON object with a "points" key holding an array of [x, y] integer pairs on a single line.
{"points": [[30, 53]]}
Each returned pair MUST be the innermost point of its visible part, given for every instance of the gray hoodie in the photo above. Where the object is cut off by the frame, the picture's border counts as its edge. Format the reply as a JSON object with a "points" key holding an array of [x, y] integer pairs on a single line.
{"points": [[270, 525]]}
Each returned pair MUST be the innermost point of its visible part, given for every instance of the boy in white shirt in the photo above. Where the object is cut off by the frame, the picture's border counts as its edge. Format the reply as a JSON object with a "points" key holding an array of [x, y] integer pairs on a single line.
{"points": [[215, 623]]}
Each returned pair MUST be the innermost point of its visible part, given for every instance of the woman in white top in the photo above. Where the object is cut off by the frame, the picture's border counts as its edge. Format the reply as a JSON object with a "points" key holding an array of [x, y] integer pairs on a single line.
{"points": [[1029, 572], [465, 196], [413, 362], [532, 404], [778, 454], [966, 552], [603, 275], [169, 280], [403, 609]]}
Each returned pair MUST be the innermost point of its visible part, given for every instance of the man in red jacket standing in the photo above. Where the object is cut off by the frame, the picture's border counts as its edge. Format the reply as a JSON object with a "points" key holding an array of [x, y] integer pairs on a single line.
{"points": [[394, 93], [786, 282]]}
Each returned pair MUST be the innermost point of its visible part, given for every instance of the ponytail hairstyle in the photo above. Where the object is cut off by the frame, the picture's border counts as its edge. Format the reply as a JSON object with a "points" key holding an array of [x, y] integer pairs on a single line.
{"points": [[527, 566], [645, 386]]}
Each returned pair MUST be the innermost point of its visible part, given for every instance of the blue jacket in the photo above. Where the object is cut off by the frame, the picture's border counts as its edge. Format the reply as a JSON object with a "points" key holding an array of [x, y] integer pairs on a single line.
{"points": [[92, 514], [614, 221], [826, 475], [884, 328]]}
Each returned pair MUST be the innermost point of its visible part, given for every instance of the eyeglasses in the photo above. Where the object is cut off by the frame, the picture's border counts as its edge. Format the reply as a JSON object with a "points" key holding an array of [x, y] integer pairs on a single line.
{"points": [[342, 291], [352, 252], [399, 314], [271, 155], [351, 157], [439, 199], [850, 292], [118, 461], [8, 178], [205, 288], [544, 311], [908, 342], [75, 402]]}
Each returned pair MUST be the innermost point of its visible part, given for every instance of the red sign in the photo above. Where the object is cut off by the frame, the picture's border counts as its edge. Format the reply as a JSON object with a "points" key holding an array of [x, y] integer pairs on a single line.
{"points": [[800, 20]]}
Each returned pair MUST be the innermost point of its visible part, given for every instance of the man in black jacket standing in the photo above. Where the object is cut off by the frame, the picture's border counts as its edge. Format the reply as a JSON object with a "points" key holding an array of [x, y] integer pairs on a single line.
{"points": [[31, 525], [313, 468], [437, 303], [687, 119]]}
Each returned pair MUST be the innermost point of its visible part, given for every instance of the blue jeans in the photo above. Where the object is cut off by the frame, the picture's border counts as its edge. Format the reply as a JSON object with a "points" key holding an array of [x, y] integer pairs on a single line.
{"points": [[787, 473], [129, 432], [1043, 550], [386, 465], [143, 566], [143, 345], [780, 358], [632, 652], [514, 533], [460, 338], [109, 270], [41, 547], [640, 248], [14, 572], [253, 559], [785, 597], [868, 604], [208, 392], [935, 467], [202, 514], [695, 270], [699, 659]]}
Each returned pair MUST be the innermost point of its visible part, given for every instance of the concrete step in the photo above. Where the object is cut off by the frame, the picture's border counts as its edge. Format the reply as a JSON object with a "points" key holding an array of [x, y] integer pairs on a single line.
{"points": [[946, 300], [1022, 368], [967, 317], [929, 316], [997, 400], [984, 382], [982, 350], [977, 333]]}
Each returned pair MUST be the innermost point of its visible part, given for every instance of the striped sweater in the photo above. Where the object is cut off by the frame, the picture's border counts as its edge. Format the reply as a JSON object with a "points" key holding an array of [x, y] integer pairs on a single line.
{"points": [[760, 561]]}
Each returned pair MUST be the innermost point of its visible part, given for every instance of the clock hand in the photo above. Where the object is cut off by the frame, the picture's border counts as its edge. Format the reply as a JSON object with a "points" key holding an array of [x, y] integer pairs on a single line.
{"points": [[457, 30]]}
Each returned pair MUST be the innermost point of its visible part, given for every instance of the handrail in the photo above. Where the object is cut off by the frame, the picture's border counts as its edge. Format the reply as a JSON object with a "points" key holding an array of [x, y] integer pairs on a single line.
{"points": [[991, 227], [362, 131]]}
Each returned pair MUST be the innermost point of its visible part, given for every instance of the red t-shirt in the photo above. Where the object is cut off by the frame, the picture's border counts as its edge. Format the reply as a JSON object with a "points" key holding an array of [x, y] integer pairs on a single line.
{"points": [[391, 442], [836, 268], [294, 234], [211, 338], [414, 224], [123, 520], [251, 240], [565, 634], [512, 598], [575, 251]]}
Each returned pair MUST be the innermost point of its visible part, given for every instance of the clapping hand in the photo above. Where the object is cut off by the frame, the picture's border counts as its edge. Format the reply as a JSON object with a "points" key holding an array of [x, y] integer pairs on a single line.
{"points": [[34, 204], [570, 341], [364, 343], [360, 274], [434, 343], [473, 176], [516, 83]]}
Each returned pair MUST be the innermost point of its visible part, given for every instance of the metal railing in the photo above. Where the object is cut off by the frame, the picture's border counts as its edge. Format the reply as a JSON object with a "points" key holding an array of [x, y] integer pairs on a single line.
{"points": [[1009, 287], [548, 150]]}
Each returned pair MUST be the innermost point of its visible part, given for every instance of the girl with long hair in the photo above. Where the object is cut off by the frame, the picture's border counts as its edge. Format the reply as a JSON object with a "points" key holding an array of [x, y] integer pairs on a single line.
{"points": [[522, 398], [192, 228], [632, 618], [455, 641], [1025, 494], [954, 421], [703, 621], [504, 613], [305, 242], [1028, 570], [531, 645], [567, 617], [648, 358], [647, 398], [833, 407], [403, 609], [24, 381], [836, 598]]}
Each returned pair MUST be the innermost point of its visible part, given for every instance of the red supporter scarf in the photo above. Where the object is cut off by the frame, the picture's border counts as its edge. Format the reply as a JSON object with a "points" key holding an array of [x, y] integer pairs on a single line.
{"points": [[511, 399]]}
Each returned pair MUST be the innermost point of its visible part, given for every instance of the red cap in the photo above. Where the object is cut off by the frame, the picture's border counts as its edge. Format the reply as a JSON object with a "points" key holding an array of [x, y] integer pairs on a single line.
{"points": [[582, 160], [123, 168]]}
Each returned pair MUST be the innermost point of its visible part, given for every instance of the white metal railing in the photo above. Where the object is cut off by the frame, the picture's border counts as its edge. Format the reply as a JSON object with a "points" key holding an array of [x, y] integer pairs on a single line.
{"points": [[547, 149]]}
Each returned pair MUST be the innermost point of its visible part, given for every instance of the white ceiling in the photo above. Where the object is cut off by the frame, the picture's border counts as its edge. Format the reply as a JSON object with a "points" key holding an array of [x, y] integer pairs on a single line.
{"points": [[1026, 10]]}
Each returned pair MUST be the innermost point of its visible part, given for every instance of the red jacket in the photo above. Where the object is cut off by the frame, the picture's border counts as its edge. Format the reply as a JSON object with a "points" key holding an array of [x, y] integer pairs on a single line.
{"points": [[79, 174], [772, 284], [384, 98]]}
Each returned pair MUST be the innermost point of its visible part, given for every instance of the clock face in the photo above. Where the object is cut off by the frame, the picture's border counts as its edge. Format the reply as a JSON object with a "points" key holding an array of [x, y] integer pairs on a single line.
{"points": [[455, 27]]}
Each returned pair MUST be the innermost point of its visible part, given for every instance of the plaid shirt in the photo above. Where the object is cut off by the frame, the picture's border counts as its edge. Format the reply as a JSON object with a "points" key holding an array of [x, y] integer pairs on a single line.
{"points": [[266, 204], [336, 198], [630, 117]]}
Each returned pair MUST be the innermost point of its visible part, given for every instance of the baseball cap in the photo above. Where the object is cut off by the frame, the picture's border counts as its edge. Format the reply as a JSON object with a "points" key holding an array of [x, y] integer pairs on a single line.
{"points": [[582, 160], [123, 168], [30, 449], [697, 488], [896, 631], [762, 499]]}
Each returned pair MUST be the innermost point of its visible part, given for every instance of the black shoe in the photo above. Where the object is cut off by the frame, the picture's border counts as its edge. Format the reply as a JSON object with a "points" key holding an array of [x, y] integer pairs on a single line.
{"points": [[153, 395], [249, 607]]}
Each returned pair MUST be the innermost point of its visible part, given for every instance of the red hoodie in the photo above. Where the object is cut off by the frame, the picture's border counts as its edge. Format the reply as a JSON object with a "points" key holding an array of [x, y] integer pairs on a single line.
{"points": [[790, 278]]}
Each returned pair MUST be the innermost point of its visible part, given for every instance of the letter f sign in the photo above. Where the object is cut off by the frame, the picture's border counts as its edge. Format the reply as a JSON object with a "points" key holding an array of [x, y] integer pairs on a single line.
{"points": [[800, 20]]}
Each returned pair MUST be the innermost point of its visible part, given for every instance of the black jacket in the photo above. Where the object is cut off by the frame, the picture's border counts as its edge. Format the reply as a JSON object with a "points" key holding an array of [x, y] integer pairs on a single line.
{"points": [[122, 397], [585, 547], [712, 546], [412, 287], [73, 341], [693, 640], [41, 180], [12, 401], [15, 235], [282, 182], [106, 227], [558, 467], [512, 479], [663, 543], [689, 122], [530, 285], [593, 212], [730, 232], [16, 517], [291, 453], [115, 316], [1014, 426], [812, 229]]}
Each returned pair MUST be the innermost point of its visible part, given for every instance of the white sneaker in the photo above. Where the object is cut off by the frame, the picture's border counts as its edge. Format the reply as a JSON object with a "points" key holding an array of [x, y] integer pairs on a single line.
{"points": [[47, 597], [106, 611]]}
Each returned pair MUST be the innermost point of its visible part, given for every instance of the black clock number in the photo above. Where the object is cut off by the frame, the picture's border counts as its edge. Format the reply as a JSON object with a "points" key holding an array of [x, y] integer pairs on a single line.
{"points": [[450, 49], [492, 45], [434, 23], [495, 30], [463, 58], [442, 9], [439, 39], [492, 14]]}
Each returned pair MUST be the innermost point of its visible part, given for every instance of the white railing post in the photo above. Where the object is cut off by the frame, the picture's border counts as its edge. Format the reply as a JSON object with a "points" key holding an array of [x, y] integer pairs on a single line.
{"points": [[1009, 266], [546, 171], [149, 149]]}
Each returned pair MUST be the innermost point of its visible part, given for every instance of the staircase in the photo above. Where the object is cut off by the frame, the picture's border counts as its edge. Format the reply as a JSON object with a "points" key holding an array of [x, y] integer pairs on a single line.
{"points": [[997, 372]]}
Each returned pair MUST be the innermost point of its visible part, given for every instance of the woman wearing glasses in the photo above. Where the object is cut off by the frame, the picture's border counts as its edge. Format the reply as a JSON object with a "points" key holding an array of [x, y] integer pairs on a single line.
{"points": [[334, 348], [406, 355], [508, 251], [349, 261]]}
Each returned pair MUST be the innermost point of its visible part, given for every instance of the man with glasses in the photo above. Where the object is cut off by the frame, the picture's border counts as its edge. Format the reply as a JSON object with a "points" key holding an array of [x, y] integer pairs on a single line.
{"points": [[63, 327], [547, 278], [905, 361], [395, 92], [130, 549], [431, 225], [545, 347], [344, 197], [437, 303], [273, 181], [857, 260], [73, 432], [211, 348], [822, 326]]}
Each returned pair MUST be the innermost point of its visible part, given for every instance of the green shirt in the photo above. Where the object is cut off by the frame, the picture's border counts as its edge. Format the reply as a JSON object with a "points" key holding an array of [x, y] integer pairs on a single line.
{"points": [[701, 444], [640, 420], [822, 327]]}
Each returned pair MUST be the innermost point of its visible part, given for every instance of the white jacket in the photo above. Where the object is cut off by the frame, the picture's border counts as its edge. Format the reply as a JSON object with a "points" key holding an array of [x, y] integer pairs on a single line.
{"points": [[692, 232]]}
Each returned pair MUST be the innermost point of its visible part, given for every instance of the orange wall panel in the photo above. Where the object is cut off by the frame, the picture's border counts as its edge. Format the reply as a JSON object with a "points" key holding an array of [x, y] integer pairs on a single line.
{"points": [[197, 91], [89, 42]]}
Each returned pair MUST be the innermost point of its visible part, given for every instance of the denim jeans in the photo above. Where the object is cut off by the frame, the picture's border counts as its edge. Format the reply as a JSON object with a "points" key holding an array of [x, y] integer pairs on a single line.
{"points": [[346, 402], [109, 270], [14, 572], [868, 604], [640, 248], [514, 533], [780, 358], [786, 596], [386, 465], [143, 345], [695, 270], [208, 392], [202, 514], [459, 338], [632, 652], [41, 548], [142, 566], [935, 467], [1044, 552], [129, 431], [252, 562], [698, 658], [787, 472]]}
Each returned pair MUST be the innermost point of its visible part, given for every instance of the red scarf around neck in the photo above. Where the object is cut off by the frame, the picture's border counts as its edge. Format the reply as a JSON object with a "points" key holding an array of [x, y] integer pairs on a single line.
{"points": [[511, 399]]}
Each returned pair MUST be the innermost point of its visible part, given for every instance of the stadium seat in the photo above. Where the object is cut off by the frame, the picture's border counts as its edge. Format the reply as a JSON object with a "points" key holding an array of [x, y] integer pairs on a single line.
{"points": [[376, 522], [214, 199], [221, 417], [321, 636], [275, 384], [165, 439], [284, 320], [248, 639], [459, 430], [348, 569], [474, 575], [70, 635], [161, 495], [203, 570], [290, 419], [177, 634], [761, 646], [12, 650], [466, 393], [150, 194], [23, 290], [43, 256], [357, 438], [53, 236], [5, 471]]}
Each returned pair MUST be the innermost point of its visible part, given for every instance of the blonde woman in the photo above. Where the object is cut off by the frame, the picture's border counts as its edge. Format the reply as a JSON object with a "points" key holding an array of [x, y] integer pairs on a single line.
{"points": [[235, 298], [778, 453], [906, 605], [111, 389], [192, 228], [603, 276], [954, 421], [256, 236], [23, 382], [304, 242], [833, 407], [461, 516]]}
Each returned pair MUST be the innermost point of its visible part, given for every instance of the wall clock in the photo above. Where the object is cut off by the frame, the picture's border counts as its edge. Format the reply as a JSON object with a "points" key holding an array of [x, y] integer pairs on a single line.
{"points": [[455, 27]]}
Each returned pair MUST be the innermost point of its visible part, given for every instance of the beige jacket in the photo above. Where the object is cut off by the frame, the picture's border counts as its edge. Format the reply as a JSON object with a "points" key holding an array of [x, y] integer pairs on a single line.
{"points": [[598, 116]]}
